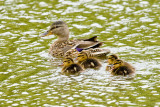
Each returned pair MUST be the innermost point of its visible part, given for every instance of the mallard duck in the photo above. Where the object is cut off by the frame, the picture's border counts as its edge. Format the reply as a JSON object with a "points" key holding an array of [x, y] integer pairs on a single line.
{"points": [[110, 61], [69, 67], [87, 62], [63, 47], [120, 68]]}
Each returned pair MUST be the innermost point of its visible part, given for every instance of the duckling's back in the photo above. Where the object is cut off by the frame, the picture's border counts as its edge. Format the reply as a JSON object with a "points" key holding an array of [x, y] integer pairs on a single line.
{"points": [[91, 63], [129, 66], [73, 69], [123, 70]]}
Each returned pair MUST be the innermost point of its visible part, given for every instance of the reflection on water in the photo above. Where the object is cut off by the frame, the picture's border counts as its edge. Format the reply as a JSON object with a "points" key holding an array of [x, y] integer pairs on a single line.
{"points": [[29, 77]]}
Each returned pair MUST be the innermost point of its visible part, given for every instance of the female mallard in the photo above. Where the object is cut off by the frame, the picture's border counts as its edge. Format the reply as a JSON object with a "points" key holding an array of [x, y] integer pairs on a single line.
{"points": [[63, 47], [87, 62], [69, 67], [120, 68]]}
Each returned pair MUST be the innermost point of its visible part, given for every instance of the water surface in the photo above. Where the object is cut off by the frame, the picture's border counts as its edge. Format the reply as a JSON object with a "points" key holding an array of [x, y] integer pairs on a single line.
{"points": [[29, 77]]}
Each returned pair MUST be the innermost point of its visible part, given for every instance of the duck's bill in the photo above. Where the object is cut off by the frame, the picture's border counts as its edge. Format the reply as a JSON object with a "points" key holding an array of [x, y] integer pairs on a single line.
{"points": [[45, 34]]}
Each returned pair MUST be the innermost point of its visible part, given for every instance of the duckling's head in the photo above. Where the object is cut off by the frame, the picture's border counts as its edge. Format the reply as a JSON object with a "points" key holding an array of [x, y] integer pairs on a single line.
{"points": [[58, 28], [112, 58], [82, 56], [117, 63], [68, 62]]}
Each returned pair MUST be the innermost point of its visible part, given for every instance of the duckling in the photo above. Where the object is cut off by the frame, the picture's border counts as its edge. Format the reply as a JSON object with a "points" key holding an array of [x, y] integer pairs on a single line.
{"points": [[120, 68], [110, 61], [112, 58], [63, 47], [88, 62], [69, 67]]}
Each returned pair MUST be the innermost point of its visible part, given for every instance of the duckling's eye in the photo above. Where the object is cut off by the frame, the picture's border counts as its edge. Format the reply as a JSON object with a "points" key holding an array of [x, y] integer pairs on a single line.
{"points": [[110, 57], [80, 55], [115, 63], [120, 62]]}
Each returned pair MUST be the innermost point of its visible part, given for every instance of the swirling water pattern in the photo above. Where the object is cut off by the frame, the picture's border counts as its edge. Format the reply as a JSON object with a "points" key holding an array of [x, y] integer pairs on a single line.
{"points": [[129, 28]]}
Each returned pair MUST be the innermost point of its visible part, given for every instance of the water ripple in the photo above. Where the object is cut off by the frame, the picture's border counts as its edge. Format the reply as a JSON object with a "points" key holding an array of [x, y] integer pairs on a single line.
{"points": [[30, 77]]}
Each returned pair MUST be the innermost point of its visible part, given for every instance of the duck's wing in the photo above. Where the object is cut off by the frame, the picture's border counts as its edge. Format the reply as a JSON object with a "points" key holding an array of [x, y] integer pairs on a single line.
{"points": [[89, 44], [64, 46], [81, 44], [68, 47]]}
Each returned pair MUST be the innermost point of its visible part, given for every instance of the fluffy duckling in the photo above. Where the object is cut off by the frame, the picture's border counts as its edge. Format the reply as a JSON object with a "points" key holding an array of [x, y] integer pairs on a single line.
{"points": [[112, 58], [110, 61], [87, 62], [120, 68], [69, 67]]}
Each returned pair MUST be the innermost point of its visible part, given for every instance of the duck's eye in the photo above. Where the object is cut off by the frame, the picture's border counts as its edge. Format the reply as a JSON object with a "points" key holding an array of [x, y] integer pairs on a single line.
{"points": [[52, 28], [55, 27]]}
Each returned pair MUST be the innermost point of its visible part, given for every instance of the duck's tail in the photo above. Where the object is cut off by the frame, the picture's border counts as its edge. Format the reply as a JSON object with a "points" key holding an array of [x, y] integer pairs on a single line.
{"points": [[94, 38]]}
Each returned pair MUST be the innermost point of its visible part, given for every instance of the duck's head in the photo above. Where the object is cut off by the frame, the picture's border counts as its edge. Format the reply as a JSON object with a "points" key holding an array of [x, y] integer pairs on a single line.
{"points": [[82, 56], [112, 58], [58, 28], [68, 62], [117, 63]]}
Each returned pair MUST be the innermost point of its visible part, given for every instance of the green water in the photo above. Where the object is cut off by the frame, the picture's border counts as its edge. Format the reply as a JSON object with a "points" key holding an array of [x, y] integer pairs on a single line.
{"points": [[29, 77]]}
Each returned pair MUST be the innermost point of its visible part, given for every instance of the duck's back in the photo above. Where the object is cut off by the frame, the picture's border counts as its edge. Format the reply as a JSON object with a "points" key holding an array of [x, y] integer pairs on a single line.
{"points": [[59, 49]]}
